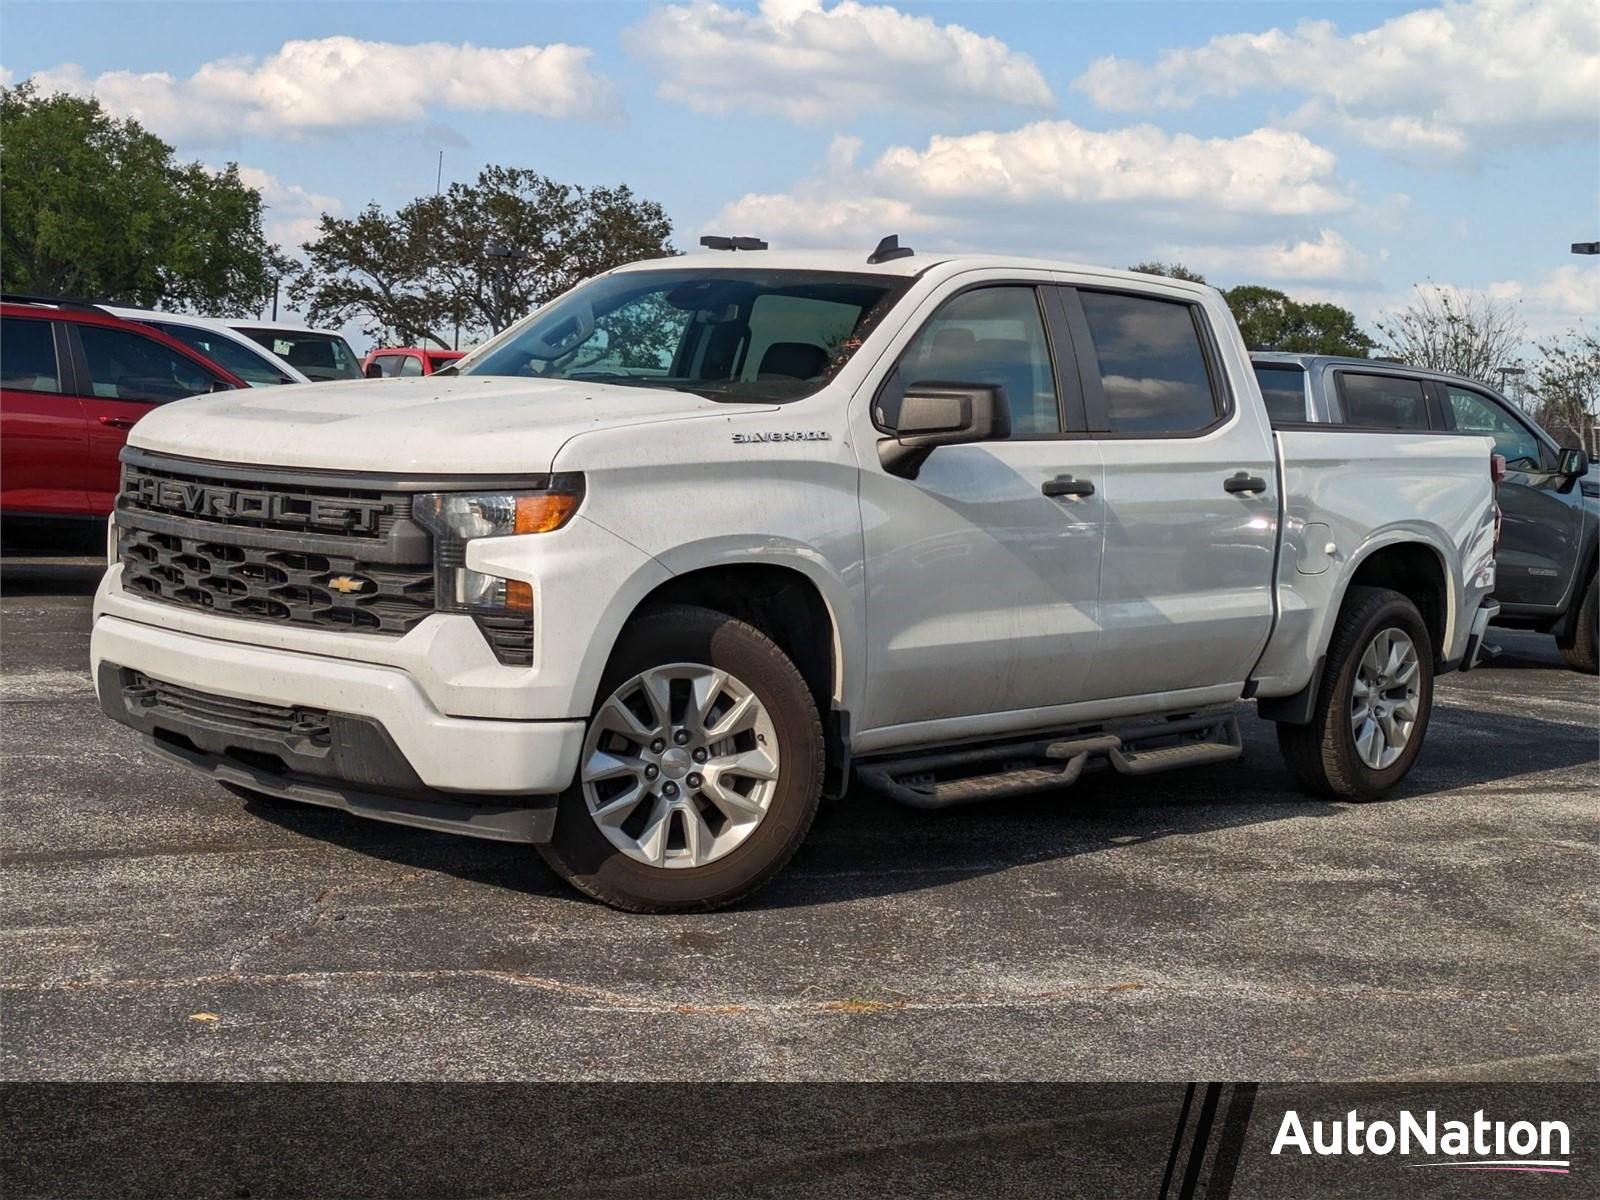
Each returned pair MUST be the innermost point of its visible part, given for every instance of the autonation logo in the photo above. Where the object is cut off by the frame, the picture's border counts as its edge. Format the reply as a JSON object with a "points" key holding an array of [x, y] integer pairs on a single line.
{"points": [[1476, 1145]]}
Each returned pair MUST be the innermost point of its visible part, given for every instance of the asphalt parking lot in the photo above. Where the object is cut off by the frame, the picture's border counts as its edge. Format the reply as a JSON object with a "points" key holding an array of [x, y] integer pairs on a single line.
{"points": [[1210, 924]]}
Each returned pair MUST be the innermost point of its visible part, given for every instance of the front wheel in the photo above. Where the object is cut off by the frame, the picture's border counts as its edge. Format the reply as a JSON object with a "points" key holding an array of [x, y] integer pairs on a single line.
{"points": [[701, 768], [1373, 703]]}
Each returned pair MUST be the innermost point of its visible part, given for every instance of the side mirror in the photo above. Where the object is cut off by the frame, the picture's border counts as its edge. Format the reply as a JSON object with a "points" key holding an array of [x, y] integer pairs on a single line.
{"points": [[942, 414], [374, 370], [1572, 463]]}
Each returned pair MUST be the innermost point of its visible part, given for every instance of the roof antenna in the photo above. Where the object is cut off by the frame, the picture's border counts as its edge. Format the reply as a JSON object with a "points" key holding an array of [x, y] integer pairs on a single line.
{"points": [[889, 249], [713, 242]]}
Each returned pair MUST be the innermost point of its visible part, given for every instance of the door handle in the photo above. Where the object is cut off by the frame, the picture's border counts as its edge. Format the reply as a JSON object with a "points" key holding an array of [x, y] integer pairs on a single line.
{"points": [[1066, 485], [1243, 482], [117, 422]]}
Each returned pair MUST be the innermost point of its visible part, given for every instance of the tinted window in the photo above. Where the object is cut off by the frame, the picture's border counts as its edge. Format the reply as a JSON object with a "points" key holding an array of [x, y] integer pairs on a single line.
{"points": [[314, 355], [1284, 390], [1383, 401], [225, 352], [1152, 365], [127, 366], [28, 356], [409, 364], [1475, 413], [995, 336]]}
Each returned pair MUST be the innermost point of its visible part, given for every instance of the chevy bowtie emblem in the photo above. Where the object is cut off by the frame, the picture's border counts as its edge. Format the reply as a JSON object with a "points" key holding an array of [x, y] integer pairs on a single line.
{"points": [[347, 585]]}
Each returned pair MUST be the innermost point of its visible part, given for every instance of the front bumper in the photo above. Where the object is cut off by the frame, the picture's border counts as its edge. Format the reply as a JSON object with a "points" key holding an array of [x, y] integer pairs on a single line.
{"points": [[469, 757]]}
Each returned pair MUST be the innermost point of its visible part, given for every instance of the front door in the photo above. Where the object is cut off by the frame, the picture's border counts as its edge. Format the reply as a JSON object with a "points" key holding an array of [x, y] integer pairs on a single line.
{"points": [[981, 587], [1542, 512], [1191, 498]]}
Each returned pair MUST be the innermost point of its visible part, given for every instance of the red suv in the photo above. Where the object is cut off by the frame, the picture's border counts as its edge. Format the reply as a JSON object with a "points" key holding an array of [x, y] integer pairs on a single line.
{"points": [[399, 361], [73, 380]]}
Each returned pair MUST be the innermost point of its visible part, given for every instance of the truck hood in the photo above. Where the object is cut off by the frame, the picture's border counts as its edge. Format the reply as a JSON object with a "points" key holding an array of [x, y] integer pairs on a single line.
{"points": [[451, 424]]}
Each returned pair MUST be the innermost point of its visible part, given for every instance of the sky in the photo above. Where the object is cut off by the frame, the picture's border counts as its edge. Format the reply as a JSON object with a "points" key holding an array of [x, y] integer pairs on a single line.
{"points": [[1338, 151]]}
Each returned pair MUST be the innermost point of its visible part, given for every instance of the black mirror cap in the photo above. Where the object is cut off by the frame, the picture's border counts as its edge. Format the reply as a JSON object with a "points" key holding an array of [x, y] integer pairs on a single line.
{"points": [[1574, 461], [374, 370], [943, 414]]}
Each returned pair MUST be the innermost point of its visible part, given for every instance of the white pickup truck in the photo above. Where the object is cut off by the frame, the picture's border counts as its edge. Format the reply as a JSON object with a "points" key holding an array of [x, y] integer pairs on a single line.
{"points": [[708, 536]]}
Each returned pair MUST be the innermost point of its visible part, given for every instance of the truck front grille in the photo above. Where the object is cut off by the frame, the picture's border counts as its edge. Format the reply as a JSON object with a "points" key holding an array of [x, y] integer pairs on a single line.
{"points": [[301, 588], [284, 550], [225, 712]]}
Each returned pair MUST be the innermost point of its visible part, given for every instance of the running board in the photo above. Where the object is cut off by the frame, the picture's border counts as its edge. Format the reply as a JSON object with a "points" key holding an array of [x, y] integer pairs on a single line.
{"points": [[947, 778]]}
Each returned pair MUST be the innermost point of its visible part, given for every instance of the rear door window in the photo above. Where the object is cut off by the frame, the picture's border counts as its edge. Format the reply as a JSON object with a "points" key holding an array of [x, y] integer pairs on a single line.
{"points": [[128, 366], [28, 356], [1152, 365], [1284, 390], [1382, 401], [408, 364]]}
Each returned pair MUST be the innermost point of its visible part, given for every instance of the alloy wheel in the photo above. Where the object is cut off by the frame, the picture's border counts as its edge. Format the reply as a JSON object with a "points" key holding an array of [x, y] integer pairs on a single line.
{"points": [[1385, 697], [680, 765]]}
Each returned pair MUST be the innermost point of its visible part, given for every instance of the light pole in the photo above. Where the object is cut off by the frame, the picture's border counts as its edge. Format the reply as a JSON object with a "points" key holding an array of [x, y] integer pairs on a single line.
{"points": [[1509, 371], [1586, 247], [502, 256]]}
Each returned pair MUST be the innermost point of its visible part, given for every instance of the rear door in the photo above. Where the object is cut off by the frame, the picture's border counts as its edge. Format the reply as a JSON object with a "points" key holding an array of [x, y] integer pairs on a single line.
{"points": [[1191, 497], [123, 373], [1543, 512], [44, 439]]}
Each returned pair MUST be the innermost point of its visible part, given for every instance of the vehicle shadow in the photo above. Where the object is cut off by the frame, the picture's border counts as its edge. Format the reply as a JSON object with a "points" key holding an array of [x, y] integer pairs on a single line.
{"points": [[864, 845], [32, 576]]}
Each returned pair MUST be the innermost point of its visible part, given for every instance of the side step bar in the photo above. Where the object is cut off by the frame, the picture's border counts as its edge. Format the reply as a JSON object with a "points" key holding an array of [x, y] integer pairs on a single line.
{"points": [[943, 779]]}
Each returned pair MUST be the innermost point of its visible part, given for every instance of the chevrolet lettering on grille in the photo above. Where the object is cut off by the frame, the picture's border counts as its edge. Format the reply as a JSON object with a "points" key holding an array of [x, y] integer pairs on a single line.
{"points": [[228, 503]]}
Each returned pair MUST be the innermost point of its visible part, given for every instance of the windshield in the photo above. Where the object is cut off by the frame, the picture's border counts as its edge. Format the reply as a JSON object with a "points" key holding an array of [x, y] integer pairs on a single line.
{"points": [[223, 350], [724, 334], [315, 355]]}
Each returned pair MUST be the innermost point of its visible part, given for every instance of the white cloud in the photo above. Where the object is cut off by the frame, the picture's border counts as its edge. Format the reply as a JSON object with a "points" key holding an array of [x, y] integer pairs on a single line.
{"points": [[807, 62], [292, 212], [1269, 171], [1328, 256], [343, 82], [1556, 301], [1050, 175], [1430, 83]]}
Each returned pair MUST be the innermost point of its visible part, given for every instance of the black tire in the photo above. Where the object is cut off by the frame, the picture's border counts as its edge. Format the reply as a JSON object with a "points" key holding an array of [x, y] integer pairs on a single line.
{"points": [[1322, 755], [1579, 650], [583, 856]]}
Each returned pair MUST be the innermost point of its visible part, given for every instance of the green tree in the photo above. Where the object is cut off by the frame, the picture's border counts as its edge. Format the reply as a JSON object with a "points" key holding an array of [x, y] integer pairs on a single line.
{"points": [[1170, 270], [476, 257], [96, 207], [1270, 320]]}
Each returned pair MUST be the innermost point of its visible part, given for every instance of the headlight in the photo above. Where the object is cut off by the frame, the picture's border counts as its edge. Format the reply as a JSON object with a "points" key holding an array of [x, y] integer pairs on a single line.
{"points": [[456, 518]]}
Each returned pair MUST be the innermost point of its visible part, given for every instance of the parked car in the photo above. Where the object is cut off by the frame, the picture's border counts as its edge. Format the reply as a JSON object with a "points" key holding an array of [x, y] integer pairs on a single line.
{"points": [[668, 559], [1549, 496], [73, 380], [219, 341], [319, 354], [403, 361]]}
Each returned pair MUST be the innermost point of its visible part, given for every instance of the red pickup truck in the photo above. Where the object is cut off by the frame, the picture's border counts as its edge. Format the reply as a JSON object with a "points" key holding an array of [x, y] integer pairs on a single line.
{"points": [[73, 380], [393, 361]]}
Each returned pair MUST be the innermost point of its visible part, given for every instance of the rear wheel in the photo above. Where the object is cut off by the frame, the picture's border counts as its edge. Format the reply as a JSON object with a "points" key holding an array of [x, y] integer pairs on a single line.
{"points": [[1373, 703], [701, 768], [1579, 650]]}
